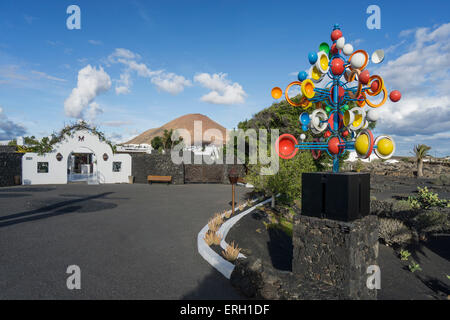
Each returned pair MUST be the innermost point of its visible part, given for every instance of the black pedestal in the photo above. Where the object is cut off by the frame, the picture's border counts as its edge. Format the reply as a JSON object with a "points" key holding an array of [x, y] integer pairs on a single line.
{"points": [[337, 196]]}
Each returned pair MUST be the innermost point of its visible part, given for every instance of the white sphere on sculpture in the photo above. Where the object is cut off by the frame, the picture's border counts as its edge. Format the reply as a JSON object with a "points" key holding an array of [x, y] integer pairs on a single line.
{"points": [[373, 115], [340, 43], [357, 60], [348, 49], [302, 136]]}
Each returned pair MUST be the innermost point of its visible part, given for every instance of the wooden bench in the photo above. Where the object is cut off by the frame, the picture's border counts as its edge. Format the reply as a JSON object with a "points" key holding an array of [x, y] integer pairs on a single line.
{"points": [[167, 179]]}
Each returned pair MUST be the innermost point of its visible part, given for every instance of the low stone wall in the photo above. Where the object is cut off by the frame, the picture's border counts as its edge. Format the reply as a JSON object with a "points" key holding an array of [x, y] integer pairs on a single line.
{"points": [[10, 166], [144, 165]]}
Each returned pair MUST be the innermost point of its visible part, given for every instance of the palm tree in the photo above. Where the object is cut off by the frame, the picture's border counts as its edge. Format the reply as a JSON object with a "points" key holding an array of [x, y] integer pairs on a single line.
{"points": [[421, 151]]}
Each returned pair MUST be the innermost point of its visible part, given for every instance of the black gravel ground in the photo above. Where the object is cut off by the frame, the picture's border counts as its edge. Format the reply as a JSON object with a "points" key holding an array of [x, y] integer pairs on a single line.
{"points": [[130, 241], [275, 248]]}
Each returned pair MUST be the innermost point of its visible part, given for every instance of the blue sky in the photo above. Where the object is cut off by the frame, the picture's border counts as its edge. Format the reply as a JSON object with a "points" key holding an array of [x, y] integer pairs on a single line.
{"points": [[152, 61]]}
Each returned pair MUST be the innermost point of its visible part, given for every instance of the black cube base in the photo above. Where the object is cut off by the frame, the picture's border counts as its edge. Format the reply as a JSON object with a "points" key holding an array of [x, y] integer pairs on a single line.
{"points": [[343, 196]]}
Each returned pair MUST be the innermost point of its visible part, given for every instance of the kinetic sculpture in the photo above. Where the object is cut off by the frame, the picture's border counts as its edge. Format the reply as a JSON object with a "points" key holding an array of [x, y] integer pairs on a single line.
{"points": [[341, 128]]}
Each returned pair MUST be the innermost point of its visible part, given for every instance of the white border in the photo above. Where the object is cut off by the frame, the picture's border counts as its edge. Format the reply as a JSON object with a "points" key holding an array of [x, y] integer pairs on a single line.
{"points": [[220, 264]]}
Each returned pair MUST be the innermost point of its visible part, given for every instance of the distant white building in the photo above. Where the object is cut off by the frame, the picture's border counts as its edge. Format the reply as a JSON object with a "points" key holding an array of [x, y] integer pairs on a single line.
{"points": [[143, 148], [81, 156]]}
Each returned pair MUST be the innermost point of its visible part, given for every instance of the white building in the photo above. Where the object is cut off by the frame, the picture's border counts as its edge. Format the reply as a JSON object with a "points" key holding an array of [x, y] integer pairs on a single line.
{"points": [[145, 148], [81, 156]]}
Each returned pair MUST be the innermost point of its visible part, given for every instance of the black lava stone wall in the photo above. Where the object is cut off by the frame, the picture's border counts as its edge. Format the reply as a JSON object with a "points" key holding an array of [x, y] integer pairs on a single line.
{"points": [[10, 166], [144, 165], [336, 253]]}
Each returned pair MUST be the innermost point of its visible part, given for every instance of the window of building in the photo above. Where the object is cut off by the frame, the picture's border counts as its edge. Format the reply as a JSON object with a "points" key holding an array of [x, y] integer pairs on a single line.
{"points": [[42, 167], [117, 166]]}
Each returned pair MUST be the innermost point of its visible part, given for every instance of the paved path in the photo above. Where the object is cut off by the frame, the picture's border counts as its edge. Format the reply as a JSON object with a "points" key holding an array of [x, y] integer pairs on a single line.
{"points": [[130, 241]]}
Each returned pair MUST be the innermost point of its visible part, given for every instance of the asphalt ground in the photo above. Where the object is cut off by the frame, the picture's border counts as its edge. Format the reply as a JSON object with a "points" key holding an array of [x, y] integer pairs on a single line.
{"points": [[129, 241]]}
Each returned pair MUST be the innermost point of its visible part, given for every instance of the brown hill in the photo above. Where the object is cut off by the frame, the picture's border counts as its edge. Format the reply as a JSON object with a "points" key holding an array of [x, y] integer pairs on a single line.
{"points": [[183, 122]]}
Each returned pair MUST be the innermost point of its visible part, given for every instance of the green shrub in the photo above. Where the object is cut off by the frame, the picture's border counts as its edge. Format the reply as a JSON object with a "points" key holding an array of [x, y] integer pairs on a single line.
{"points": [[287, 181], [426, 199]]}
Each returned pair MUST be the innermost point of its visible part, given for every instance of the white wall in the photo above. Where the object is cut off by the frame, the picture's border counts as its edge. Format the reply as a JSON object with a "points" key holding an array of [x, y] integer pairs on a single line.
{"points": [[58, 169]]}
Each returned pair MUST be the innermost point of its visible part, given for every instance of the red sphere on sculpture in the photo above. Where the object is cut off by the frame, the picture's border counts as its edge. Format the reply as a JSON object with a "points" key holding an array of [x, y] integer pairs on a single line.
{"points": [[334, 50], [337, 66], [345, 133], [327, 134], [395, 96], [336, 34], [364, 77], [374, 86], [333, 145]]}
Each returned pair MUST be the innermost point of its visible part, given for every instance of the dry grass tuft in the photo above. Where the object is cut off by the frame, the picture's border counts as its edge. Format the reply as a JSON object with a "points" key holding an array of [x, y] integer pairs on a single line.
{"points": [[227, 214], [215, 222], [232, 252], [212, 238]]}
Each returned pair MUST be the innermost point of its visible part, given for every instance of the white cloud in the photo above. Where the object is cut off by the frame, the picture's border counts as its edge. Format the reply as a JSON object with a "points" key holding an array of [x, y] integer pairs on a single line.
{"points": [[169, 82], [223, 91], [8, 129], [123, 85], [95, 42], [93, 111], [40, 75], [91, 83], [422, 74]]}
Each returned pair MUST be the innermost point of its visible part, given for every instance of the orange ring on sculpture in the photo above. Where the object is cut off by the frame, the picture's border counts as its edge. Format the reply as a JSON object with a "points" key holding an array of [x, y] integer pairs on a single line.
{"points": [[353, 75], [370, 104], [365, 64], [300, 104], [381, 85]]}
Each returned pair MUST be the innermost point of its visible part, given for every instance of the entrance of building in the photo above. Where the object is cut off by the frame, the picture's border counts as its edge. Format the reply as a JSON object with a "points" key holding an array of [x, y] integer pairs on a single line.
{"points": [[80, 166]]}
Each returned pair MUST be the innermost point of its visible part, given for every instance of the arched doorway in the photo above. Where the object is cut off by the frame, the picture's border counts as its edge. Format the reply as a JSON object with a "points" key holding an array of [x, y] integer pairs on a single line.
{"points": [[81, 165]]}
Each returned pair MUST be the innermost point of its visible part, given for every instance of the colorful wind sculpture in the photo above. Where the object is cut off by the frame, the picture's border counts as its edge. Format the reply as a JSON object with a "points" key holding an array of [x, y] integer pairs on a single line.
{"points": [[337, 76]]}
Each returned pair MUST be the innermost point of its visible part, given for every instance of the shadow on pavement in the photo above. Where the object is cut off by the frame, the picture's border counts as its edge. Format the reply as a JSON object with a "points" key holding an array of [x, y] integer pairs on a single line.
{"points": [[59, 208]]}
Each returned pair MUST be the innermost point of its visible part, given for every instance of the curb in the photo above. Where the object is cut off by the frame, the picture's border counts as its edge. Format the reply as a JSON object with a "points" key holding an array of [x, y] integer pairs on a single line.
{"points": [[220, 264]]}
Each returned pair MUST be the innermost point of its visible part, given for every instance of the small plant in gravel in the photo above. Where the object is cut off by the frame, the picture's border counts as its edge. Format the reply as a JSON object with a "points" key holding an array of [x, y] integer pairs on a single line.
{"points": [[426, 199], [414, 266], [432, 221], [402, 205], [231, 253], [443, 180], [404, 255], [393, 231], [212, 238]]}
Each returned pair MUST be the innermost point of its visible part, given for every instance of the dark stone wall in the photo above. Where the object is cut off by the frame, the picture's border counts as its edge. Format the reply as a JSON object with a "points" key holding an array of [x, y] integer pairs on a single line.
{"points": [[336, 253], [10, 166], [144, 165], [8, 149]]}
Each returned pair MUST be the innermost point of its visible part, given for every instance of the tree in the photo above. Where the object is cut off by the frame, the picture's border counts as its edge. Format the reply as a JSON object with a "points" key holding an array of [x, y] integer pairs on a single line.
{"points": [[421, 151], [157, 143], [167, 141]]}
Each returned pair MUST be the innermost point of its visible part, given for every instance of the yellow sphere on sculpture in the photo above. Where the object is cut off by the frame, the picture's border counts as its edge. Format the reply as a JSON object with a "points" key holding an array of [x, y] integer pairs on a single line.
{"points": [[362, 144], [385, 147]]}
